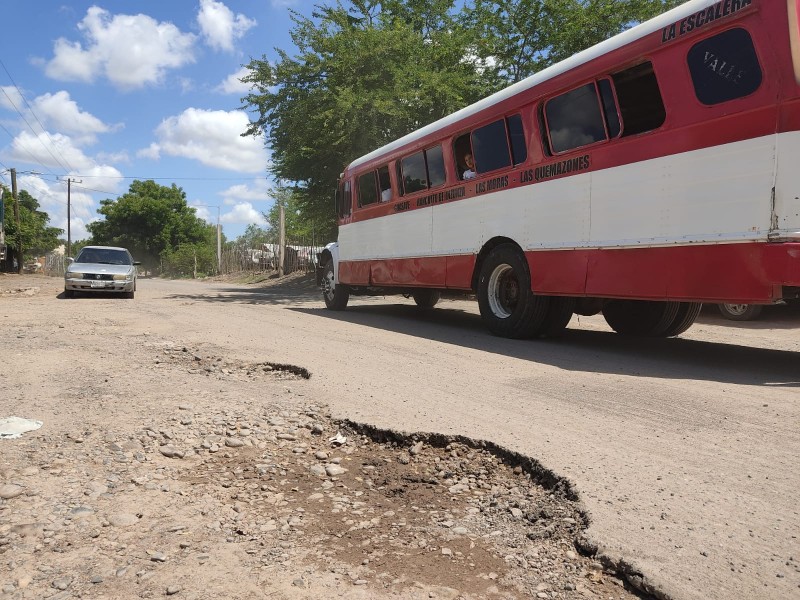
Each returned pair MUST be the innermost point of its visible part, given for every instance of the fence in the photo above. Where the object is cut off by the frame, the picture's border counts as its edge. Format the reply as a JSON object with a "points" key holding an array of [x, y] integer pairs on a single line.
{"points": [[298, 257]]}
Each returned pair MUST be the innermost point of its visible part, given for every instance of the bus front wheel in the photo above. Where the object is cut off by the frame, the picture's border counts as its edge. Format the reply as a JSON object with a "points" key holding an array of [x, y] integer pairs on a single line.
{"points": [[507, 304], [426, 298], [336, 296]]}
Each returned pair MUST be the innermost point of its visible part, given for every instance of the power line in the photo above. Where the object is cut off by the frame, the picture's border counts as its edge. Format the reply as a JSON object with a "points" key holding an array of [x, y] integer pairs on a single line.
{"points": [[35, 116]]}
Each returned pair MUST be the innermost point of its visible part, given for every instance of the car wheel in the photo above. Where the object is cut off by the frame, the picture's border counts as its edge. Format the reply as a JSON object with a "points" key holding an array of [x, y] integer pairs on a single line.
{"points": [[740, 312], [128, 295]]}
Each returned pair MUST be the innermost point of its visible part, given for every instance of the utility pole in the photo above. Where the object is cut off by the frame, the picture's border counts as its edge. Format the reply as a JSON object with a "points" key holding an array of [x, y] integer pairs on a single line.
{"points": [[69, 210], [69, 203], [219, 245], [16, 219], [281, 241]]}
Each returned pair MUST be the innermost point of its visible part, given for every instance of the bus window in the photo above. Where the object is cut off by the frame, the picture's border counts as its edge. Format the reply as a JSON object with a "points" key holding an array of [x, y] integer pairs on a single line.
{"points": [[367, 189], [574, 119], [516, 133], [435, 160], [490, 147], [422, 170], [414, 176], [724, 67], [640, 103], [462, 147], [384, 183], [344, 199]]}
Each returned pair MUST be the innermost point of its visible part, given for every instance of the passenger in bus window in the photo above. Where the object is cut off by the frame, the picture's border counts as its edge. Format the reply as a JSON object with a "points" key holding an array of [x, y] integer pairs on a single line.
{"points": [[469, 172], [386, 195]]}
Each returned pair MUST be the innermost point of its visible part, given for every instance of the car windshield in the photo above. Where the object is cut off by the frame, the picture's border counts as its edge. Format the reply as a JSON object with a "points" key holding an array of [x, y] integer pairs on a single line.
{"points": [[103, 256]]}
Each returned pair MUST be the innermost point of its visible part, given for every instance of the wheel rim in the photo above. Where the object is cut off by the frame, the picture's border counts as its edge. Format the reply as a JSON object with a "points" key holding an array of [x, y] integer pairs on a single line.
{"points": [[329, 284], [736, 309], [503, 291]]}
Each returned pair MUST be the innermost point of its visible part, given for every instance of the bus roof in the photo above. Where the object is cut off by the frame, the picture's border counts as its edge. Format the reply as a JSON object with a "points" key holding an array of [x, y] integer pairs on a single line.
{"points": [[609, 45]]}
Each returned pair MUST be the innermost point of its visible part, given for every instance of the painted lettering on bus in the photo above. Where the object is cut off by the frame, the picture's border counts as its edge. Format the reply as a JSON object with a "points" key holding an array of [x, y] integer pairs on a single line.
{"points": [[439, 197], [491, 185], [579, 163], [703, 17], [401, 206]]}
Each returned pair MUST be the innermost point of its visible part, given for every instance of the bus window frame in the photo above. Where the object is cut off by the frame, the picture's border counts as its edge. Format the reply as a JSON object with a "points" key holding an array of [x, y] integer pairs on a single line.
{"points": [[343, 190], [620, 120], [593, 82], [471, 130], [399, 170], [375, 185]]}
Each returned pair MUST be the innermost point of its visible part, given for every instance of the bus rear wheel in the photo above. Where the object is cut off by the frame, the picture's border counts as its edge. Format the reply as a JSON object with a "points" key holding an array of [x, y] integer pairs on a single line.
{"points": [[507, 304], [559, 314], [642, 318], [687, 313], [335, 296], [426, 298]]}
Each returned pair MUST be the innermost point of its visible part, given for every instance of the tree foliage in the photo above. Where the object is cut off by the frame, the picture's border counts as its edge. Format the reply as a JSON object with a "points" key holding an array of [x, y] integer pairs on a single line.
{"points": [[35, 234], [368, 73], [517, 38], [153, 222], [361, 78]]}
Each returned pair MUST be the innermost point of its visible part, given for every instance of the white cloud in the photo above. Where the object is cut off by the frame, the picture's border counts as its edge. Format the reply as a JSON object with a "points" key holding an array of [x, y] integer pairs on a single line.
{"points": [[213, 138], [258, 190], [62, 113], [10, 98], [244, 214], [219, 26], [232, 85], [55, 151], [130, 50], [153, 152]]}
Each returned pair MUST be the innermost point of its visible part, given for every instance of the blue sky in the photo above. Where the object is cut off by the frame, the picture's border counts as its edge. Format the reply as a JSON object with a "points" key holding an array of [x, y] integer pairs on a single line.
{"points": [[112, 91]]}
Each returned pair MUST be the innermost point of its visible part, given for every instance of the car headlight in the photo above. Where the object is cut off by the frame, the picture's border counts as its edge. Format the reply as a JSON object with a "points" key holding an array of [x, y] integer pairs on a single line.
{"points": [[74, 275], [125, 277]]}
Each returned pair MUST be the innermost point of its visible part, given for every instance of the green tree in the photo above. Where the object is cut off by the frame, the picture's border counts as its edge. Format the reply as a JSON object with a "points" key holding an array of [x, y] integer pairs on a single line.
{"points": [[35, 234], [514, 39], [298, 225], [152, 221], [252, 237], [190, 260], [361, 78]]}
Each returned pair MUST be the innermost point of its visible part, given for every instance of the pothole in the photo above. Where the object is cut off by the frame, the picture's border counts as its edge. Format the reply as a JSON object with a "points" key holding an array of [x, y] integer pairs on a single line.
{"points": [[392, 510], [203, 363]]}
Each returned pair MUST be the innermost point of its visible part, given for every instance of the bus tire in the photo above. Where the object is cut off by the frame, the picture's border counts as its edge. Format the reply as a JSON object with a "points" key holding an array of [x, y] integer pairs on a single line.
{"points": [[687, 313], [426, 298], [641, 318], [740, 312], [335, 296], [559, 314], [508, 306]]}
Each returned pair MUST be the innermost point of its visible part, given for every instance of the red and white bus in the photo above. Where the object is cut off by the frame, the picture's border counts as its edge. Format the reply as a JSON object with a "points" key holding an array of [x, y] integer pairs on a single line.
{"points": [[653, 172]]}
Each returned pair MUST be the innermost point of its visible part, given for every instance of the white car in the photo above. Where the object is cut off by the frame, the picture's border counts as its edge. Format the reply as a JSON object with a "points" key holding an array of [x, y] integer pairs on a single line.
{"points": [[101, 269]]}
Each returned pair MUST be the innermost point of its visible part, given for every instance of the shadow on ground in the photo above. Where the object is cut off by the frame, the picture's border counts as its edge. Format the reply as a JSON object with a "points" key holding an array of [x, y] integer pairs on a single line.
{"points": [[577, 350]]}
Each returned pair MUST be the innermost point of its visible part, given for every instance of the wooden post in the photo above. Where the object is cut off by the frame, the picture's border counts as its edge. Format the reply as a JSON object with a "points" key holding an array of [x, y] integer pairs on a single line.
{"points": [[282, 242]]}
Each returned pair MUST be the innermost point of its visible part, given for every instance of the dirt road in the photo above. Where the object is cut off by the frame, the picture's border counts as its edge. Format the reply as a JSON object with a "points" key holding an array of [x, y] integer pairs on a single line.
{"points": [[684, 452]]}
